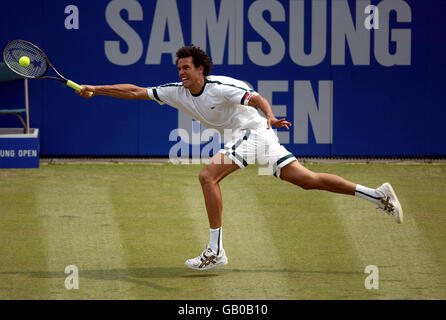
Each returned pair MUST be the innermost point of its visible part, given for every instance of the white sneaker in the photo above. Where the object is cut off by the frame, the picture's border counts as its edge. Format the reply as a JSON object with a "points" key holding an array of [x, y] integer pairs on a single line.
{"points": [[389, 202], [208, 260]]}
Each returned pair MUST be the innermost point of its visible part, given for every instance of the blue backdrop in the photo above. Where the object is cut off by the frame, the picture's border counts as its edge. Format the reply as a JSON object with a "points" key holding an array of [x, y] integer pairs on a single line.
{"points": [[354, 80]]}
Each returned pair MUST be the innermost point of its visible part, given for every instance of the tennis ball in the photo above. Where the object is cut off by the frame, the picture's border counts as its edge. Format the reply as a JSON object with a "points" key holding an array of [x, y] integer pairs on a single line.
{"points": [[24, 61]]}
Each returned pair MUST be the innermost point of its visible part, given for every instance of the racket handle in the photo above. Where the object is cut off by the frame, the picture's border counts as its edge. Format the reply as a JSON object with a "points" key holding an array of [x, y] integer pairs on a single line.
{"points": [[75, 86]]}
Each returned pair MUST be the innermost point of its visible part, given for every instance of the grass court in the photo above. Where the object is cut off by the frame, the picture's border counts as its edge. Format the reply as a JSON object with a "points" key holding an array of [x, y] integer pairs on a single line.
{"points": [[129, 228]]}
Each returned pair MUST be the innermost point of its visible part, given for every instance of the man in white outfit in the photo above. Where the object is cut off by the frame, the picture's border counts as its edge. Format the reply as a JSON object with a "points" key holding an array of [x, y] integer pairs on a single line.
{"points": [[224, 103]]}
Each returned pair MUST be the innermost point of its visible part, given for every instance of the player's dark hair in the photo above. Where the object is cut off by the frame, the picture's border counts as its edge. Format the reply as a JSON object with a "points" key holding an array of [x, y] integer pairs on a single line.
{"points": [[199, 57]]}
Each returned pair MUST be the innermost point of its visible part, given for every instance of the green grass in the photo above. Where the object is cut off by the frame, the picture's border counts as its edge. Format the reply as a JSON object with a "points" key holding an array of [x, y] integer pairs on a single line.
{"points": [[130, 227]]}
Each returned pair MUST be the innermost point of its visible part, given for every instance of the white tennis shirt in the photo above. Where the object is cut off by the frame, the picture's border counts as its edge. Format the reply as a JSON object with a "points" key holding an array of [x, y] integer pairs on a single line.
{"points": [[221, 104]]}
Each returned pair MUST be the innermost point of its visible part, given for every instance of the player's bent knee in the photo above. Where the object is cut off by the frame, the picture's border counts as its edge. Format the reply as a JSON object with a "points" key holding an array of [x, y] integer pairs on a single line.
{"points": [[202, 177], [205, 177]]}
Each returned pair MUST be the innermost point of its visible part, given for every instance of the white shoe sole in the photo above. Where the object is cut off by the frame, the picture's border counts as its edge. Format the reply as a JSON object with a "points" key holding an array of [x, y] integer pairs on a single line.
{"points": [[210, 266], [399, 217]]}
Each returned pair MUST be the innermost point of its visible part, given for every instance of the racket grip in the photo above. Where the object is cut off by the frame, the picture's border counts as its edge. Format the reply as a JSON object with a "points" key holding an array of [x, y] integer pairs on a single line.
{"points": [[75, 86]]}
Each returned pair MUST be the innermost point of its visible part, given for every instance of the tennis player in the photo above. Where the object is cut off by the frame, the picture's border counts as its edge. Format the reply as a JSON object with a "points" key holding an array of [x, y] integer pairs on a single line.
{"points": [[224, 103]]}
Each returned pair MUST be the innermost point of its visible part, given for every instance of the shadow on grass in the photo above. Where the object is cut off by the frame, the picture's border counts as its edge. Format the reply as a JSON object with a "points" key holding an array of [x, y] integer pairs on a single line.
{"points": [[139, 275]]}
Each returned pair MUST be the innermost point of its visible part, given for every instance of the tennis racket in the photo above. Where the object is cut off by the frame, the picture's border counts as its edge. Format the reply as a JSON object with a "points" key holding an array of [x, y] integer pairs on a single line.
{"points": [[38, 66]]}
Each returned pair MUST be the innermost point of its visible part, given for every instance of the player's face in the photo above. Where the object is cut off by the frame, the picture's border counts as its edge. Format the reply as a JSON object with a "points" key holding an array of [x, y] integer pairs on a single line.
{"points": [[189, 75]]}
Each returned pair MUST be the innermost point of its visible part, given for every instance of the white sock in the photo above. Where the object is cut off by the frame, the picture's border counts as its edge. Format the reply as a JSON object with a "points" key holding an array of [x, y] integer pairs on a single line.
{"points": [[216, 242], [367, 193]]}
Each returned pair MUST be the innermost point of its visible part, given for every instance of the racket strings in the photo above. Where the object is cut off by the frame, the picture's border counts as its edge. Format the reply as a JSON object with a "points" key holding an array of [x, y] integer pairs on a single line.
{"points": [[19, 48]]}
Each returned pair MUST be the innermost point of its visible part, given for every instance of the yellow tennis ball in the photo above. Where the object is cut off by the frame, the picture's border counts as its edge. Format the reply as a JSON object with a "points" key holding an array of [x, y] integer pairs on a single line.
{"points": [[24, 61]]}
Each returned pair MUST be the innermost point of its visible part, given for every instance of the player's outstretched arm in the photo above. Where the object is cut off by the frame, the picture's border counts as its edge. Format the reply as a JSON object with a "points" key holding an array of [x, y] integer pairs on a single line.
{"points": [[120, 91], [260, 102]]}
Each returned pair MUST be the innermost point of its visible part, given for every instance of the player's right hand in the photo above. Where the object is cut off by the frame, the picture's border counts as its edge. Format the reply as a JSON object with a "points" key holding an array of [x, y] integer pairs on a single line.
{"points": [[87, 91]]}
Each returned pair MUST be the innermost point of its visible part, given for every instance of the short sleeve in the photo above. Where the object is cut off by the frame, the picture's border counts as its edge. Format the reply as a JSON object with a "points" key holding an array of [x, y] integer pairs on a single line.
{"points": [[164, 94], [238, 95]]}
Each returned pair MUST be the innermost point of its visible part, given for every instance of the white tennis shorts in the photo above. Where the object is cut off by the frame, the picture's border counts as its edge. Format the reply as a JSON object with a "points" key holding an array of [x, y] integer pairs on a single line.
{"points": [[259, 146]]}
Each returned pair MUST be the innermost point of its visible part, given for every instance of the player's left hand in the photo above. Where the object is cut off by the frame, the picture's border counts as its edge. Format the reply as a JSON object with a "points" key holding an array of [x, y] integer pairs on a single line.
{"points": [[279, 123]]}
